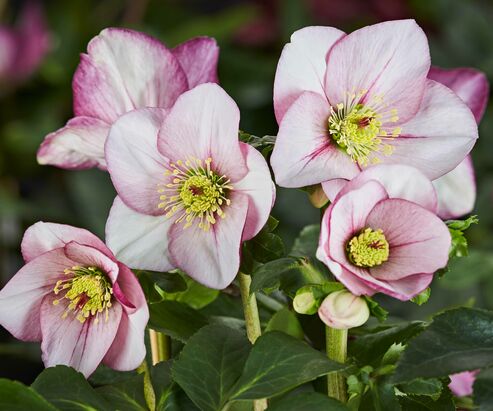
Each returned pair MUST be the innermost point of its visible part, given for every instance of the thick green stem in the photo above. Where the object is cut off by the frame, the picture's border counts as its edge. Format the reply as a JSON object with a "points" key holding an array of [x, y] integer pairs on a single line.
{"points": [[252, 322], [160, 346], [336, 346], [149, 394]]}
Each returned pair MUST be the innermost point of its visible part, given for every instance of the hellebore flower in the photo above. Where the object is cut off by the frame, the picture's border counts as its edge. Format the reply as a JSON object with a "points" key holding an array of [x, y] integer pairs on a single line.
{"points": [[124, 70], [343, 310], [457, 189], [461, 384], [344, 102], [74, 296], [381, 233], [23, 47], [188, 191]]}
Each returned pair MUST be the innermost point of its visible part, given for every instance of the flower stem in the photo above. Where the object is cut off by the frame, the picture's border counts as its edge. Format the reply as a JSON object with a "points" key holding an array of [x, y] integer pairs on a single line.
{"points": [[336, 346], [160, 346], [149, 394], [252, 322]]}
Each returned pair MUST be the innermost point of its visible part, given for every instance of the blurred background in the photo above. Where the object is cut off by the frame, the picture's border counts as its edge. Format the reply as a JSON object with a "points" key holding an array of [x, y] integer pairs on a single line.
{"points": [[40, 44]]}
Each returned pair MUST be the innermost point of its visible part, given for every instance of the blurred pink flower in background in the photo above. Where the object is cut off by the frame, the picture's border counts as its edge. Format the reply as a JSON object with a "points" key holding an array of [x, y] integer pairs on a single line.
{"points": [[74, 296], [124, 70], [461, 384], [24, 45], [381, 233]]}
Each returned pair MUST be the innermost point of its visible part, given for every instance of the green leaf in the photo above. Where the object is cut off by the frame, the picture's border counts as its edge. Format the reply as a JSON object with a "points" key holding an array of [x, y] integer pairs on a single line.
{"points": [[15, 396], [383, 395], [266, 247], [457, 340], [155, 284], [210, 364], [264, 144], [431, 387], [125, 396], [422, 297], [175, 319], [462, 225], [307, 401], [286, 321], [162, 383], [68, 390], [483, 390], [196, 295], [269, 276], [307, 242], [277, 363], [376, 310], [459, 247], [426, 403]]}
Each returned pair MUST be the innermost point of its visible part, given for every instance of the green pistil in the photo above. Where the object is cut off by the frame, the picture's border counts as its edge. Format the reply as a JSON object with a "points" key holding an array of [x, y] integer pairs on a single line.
{"points": [[368, 249]]}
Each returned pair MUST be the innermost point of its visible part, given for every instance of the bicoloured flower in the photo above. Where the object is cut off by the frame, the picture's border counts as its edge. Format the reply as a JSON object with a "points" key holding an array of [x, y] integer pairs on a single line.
{"points": [[461, 384], [84, 306], [344, 102], [457, 189], [381, 233], [189, 193], [342, 310], [124, 70]]}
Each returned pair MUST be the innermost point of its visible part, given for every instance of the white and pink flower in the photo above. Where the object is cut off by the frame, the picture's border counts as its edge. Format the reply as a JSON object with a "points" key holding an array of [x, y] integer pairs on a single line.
{"points": [[461, 384], [124, 70], [72, 294], [189, 193], [381, 233], [344, 102]]}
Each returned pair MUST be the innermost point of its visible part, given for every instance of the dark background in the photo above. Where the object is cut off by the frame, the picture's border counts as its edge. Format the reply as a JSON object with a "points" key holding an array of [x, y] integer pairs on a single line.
{"points": [[251, 35]]}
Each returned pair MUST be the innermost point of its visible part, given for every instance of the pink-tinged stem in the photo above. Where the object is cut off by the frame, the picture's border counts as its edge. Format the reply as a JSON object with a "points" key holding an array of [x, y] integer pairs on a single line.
{"points": [[149, 394], [336, 347]]}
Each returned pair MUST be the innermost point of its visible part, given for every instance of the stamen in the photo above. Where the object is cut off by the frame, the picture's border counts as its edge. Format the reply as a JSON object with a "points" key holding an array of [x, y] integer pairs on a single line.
{"points": [[368, 249]]}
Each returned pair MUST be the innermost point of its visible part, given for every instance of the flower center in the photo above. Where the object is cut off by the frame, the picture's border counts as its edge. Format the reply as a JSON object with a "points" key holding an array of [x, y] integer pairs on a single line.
{"points": [[362, 129], [88, 291], [368, 249], [196, 192]]}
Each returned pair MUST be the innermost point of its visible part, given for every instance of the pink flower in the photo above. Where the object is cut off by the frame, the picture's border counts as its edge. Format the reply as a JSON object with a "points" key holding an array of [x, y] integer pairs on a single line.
{"points": [[344, 102], [461, 384], [74, 296], [457, 189], [124, 70], [381, 233], [23, 47], [189, 193]]}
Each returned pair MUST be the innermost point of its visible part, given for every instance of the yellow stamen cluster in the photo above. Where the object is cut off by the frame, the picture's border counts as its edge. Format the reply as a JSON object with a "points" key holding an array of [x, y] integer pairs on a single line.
{"points": [[362, 129], [194, 192], [368, 249], [88, 291]]}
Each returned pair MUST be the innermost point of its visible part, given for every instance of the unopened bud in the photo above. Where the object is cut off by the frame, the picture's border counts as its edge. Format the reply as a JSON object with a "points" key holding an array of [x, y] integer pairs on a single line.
{"points": [[317, 196], [305, 302], [343, 310]]}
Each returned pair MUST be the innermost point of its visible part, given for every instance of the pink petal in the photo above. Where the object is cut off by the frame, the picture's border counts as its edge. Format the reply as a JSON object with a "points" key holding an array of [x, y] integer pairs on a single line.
{"points": [[8, 46], [198, 58], [138, 240], [469, 84], [78, 145], [456, 191], [42, 237], [302, 66], [439, 137], [68, 342], [134, 163], [409, 287], [304, 154], [259, 188], [21, 297], [128, 349], [462, 383], [211, 257], [125, 70], [419, 241], [333, 187], [400, 181], [204, 123], [389, 59]]}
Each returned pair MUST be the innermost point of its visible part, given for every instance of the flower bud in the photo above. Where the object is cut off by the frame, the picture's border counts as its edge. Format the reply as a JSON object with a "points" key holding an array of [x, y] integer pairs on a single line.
{"points": [[343, 310], [317, 196], [305, 302]]}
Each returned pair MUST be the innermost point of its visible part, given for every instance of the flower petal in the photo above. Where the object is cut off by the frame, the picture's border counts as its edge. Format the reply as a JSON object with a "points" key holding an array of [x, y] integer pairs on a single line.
{"points": [[469, 84], [304, 154], [302, 66], [211, 257], [77, 146], [419, 241], [389, 59], [456, 191], [135, 165], [125, 70], [204, 123], [68, 342], [259, 188], [42, 237], [138, 240], [128, 349], [439, 137], [198, 58]]}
